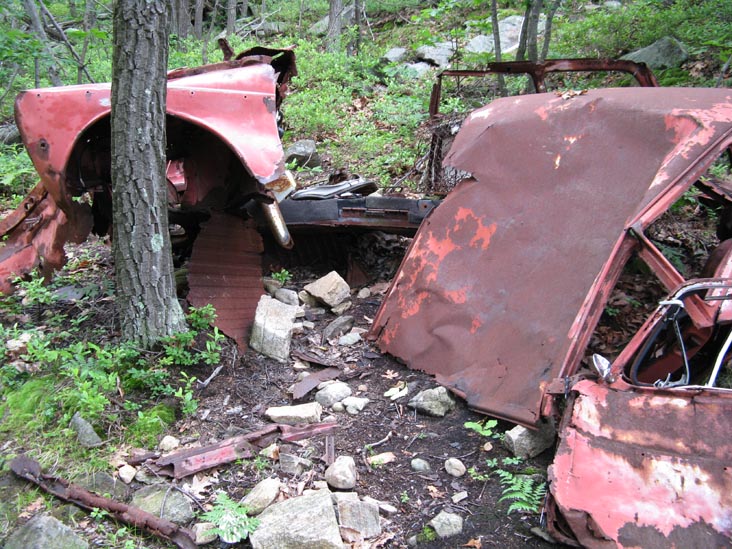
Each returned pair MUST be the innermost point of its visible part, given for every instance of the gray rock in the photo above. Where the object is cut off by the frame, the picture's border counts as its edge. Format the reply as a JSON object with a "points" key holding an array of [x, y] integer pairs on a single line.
{"points": [[364, 293], [395, 55], [103, 483], [509, 30], [361, 516], [447, 524], [384, 507], [342, 474], [177, 506], [288, 297], [332, 393], [272, 329], [354, 405], [480, 44], [343, 496], [440, 54], [666, 53], [330, 289], [342, 307], [613, 4], [294, 465], [202, 533], [271, 285], [416, 70], [304, 153], [307, 299], [169, 443], [309, 412], [262, 495], [349, 339], [339, 326], [85, 434], [308, 521], [455, 467], [526, 443], [338, 407], [434, 402], [420, 465], [44, 532]]}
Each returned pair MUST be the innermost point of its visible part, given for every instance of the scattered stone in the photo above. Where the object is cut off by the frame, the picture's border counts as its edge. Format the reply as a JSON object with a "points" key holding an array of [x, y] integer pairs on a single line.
{"points": [[307, 299], [271, 285], [487, 447], [412, 541], [613, 4], [420, 465], [339, 326], [460, 496], [177, 506], [543, 534], [381, 459], [480, 44], [272, 329], [307, 325], [354, 405], [300, 365], [447, 524], [45, 532], [440, 54], [144, 477], [342, 496], [342, 474], [85, 433], [666, 53], [361, 516], [330, 289], [288, 297], [305, 521], [434, 402], [526, 443], [19, 345], [126, 473], [203, 534], [304, 153], [294, 465], [384, 507], [455, 467], [320, 485], [364, 293], [169, 443], [349, 339], [271, 452], [395, 55], [69, 294], [292, 415], [418, 69], [332, 393], [262, 495], [338, 407], [341, 308], [297, 328], [103, 483]]}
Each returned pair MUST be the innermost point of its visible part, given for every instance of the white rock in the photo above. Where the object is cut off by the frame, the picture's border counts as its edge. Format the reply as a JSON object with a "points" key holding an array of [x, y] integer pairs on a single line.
{"points": [[354, 405], [526, 443], [288, 297], [127, 473], [349, 339], [364, 293], [330, 289], [341, 308], [332, 393], [454, 467], [169, 443], [292, 415], [203, 534], [272, 328], [420, 465], [447, 524], [262, 495], [342, 474]]}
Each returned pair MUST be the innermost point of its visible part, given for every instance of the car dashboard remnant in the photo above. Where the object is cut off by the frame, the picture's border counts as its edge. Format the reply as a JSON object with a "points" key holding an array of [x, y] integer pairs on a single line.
{"points": [[504, 283]]}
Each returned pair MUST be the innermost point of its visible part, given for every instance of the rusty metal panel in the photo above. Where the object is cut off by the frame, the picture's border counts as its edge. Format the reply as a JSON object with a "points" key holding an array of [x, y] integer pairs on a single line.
{"points": [[646, 468], [504, 282], [225, 270]]}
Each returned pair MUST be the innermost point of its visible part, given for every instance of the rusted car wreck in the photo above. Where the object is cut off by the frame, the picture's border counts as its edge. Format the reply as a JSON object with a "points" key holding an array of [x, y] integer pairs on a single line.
{"points": [[504, 283]]}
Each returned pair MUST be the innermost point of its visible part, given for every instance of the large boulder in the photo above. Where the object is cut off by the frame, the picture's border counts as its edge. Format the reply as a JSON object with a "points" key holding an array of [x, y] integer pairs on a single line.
{"points": [[666, 53], [44, 532]]}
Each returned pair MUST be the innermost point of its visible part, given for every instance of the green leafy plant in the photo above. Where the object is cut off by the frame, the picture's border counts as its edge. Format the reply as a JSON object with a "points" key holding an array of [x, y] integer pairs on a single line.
{"points": [[524, 493], [404, 497], [189, 404], [231, 519], [484, 428], [201, 318], [427, 535], [283, 276]]}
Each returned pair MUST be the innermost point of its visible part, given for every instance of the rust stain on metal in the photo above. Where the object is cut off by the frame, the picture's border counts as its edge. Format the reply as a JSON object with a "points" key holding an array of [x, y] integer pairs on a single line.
{"points": [[30, 470], [505, 281], [645, 468], [225, 271]]}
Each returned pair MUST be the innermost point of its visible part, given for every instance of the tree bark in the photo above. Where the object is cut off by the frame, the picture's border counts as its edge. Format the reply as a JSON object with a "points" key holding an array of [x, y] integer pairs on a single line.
{"points": [[532, 37], [497, 45], [198, 20], [34, 16], [521, 51], [184, 18], [90, 19], [335, 25], [244, 9], [230, 17], [551, 10], [146, 299], [355, 46]]}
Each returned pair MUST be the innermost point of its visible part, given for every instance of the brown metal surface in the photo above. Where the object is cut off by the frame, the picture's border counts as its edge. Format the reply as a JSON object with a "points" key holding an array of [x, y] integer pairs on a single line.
{"points": [[30, 470], [505, 281], [646, 468], [225, 270]]}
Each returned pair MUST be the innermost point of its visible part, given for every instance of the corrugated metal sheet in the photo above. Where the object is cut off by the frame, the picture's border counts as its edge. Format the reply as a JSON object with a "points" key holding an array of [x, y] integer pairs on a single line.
{"points": [[225, 270]]}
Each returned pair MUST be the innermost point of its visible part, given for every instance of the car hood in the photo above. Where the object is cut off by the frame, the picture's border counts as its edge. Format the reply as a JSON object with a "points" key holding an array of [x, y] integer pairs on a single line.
{"points": [[505, 281]]}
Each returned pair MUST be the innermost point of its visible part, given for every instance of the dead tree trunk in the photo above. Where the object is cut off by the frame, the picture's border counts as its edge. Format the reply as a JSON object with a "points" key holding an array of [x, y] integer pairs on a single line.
{"points": [[146, 299], [35, 18], [230, 17], [335, 25]]}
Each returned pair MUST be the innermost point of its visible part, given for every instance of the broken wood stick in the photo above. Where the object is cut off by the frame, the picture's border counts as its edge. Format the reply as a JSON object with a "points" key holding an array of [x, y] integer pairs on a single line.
{"points": [[30, 470]]}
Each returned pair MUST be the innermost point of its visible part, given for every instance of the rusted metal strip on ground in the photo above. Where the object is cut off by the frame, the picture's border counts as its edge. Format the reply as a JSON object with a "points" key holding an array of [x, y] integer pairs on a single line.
{"points": [[190, 461], [225, 270], [309, 383], [660, 460], [30, 470]]}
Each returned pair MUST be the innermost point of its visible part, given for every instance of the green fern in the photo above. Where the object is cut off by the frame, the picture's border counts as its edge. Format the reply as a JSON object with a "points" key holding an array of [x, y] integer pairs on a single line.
{"points": [[231, 520], [525, 494]]}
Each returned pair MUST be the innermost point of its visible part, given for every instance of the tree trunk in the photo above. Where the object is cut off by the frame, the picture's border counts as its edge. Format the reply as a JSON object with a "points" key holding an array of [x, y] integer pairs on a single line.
{"points": [[244, 9], [497, 45], [532, 37], [146, 299], [335, 25], [551, 10], [90, 19], [355, 46], [230, 17], [198, 20], [34, 16], [521, 51], [184, 18]]}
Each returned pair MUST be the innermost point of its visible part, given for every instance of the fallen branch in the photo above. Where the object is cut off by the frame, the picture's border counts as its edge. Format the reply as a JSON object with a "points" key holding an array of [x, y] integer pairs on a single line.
{"points": [[30, 470], [380, 442]]}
